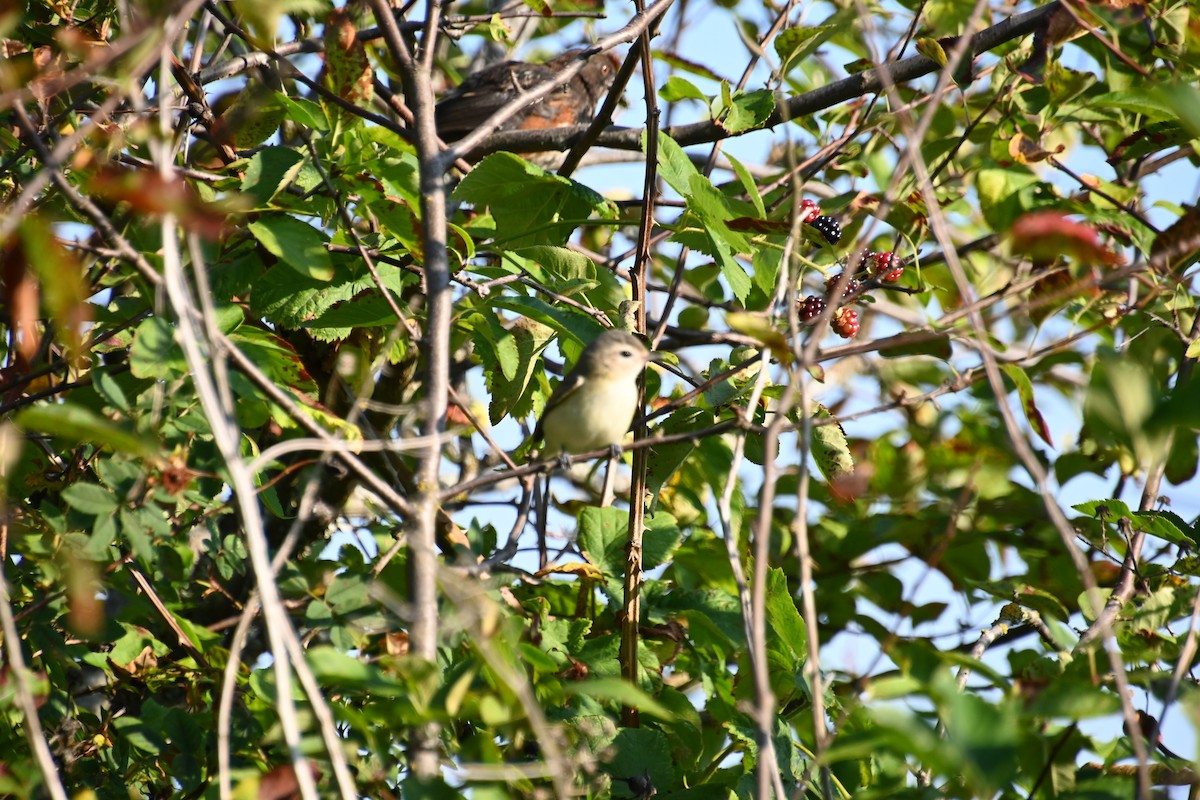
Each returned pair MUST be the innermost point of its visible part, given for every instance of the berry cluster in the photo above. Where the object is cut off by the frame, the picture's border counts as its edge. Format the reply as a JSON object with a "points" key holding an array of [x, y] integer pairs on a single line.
{"points": [[872, 270], [882, 266], [845, 322], [828, 227], [851, 289], [812, 307]]}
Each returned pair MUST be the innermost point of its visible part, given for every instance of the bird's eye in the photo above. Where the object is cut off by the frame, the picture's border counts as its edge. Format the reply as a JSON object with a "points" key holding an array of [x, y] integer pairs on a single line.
{"points": [[627, 353]]}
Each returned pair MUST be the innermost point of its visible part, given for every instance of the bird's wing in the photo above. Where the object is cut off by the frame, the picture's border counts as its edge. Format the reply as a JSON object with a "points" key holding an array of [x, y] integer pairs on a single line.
{"points": [[569, 386], [478, 97]]}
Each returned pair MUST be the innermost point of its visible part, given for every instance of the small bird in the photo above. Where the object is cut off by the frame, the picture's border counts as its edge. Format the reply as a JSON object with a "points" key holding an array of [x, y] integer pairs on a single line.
{"points": [[465, 108], [595, 404]]}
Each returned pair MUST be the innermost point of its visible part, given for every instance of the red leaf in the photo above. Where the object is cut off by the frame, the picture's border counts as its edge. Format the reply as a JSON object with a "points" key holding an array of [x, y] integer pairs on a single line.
{"points": [[1045, 235]]}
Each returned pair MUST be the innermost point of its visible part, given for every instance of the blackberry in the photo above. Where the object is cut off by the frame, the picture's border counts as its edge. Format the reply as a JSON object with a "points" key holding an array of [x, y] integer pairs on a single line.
{"points": [[845, 323], [884, 269], [866, 261], [809, 210], [829, 228], [812, 307], [852, 286]]}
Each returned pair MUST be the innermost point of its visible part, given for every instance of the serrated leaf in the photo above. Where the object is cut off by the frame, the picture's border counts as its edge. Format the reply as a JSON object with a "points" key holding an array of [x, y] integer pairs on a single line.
{"points": [[576, 325], [154, 352], [793, 45], [783, 618], [563, 263], [674, 165], [830, 447], [603, 535], [295, 243], [661, 538], [530, 205], [362, 312], [746, 111], [77, 424], [748, 183], [619, 691], [270, 171]]}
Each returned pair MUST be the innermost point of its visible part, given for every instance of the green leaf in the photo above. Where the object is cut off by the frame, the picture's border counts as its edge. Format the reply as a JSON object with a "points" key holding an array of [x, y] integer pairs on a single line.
{"points": [[270, 171], [677, 88], [619, 691], [135, 732], [936, 345], [1151, 105], [155, 353], [90, 498], [715, 237], [109, 389], [138, 527], [751, 188], [530, 205], [295, 243], [783, 619], [830, 448], [366, 311], [640, 753], [1180, 409], [747, 111], [304, 112], [516, 352], [579, 327], [77, 424], [603, 536], [1120, 404], [276, 357], [563, 263], [338, 669], [660, 540], [1000, 195], [794, 45], [1025, 391], [674, 165]]}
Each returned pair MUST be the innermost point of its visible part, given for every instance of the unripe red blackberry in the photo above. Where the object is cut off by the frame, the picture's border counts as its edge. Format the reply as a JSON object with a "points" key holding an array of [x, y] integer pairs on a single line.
{"points": [[845, 322], [852, 286], [828, 227], [809, 210], [884, 269], [812, 307]]}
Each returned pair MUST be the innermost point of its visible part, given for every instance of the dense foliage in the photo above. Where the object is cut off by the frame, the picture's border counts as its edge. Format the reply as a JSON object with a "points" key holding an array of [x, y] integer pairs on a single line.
{"points": [[919, 476]]}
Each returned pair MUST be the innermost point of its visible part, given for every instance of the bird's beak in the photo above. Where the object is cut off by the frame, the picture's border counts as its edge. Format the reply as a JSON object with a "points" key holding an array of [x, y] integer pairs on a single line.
{"points": [[656, 357]]}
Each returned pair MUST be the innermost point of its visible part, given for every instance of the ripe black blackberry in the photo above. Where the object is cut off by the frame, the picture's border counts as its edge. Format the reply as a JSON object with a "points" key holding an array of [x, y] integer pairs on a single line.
{"points": [[851, 288], [812, 307], [829, 228]]}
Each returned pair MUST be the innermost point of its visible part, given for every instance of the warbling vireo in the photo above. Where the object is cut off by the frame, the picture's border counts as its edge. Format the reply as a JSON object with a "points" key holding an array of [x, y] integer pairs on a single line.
{"points": [[595, 404]]}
